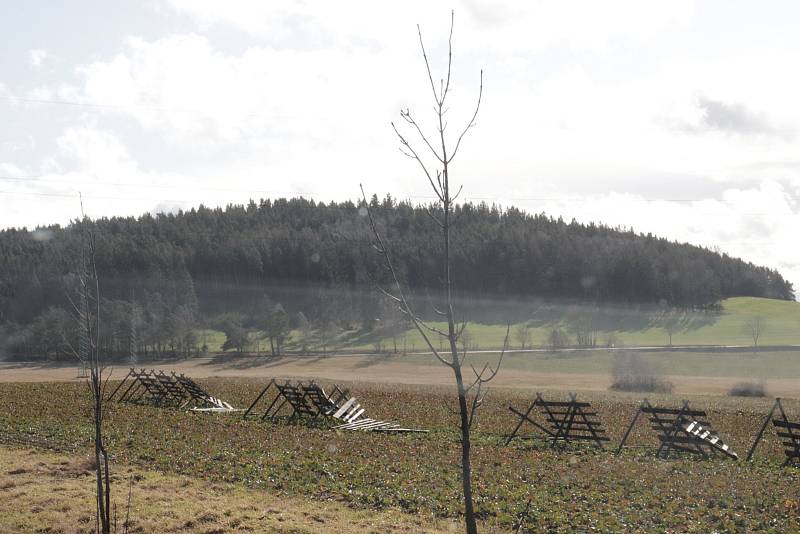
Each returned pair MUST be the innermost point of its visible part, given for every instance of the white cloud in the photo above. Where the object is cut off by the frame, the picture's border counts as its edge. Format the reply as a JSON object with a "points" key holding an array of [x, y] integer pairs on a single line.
{"points": [[758, 224], [582, 25], [182, 86], [585, 103], [97, 153], [38, 57]]}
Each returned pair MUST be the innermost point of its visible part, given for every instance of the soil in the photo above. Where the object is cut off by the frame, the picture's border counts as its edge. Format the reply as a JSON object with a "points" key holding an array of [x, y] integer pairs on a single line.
{"points": [[380, 369]]}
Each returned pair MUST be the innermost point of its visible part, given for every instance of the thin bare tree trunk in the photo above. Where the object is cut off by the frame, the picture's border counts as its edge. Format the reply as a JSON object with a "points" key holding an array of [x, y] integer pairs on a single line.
{"points": [[470, 396], [87, 312]]}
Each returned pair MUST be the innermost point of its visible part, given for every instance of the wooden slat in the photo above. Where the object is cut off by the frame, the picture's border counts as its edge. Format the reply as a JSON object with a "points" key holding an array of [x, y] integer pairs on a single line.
{"points": [[374, 425], [563, 404], [588, 437], [344, 408], [786, 424], [568, 412], [575, 423], [355, 424], [673, 411], [356, 415]]}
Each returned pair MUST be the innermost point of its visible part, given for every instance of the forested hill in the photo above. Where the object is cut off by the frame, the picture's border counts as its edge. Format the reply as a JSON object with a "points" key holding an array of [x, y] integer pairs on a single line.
{"points": [[227, 253]]}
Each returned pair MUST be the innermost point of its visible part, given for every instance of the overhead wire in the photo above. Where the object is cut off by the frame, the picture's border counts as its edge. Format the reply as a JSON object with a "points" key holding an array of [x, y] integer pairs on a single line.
{"points": [[194, 187]]}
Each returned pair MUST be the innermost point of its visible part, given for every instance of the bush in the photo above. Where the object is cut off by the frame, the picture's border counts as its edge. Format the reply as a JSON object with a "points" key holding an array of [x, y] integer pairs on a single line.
{"points": [[557, 339], [630, 372], [748, 389]]}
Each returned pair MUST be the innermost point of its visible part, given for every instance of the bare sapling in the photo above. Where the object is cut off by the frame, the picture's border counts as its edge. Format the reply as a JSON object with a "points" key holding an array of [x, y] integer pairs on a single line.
{"points": [[471, 393], [86, 308]]}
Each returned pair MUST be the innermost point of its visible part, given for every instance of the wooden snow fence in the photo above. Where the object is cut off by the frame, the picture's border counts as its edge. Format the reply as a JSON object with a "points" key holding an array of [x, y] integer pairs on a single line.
{"points": [[282, 395], [207, 402], [565, 421], [681, 430], [302, 399], [161, 389], [374, 425], [146, 387], [311, 400], [788, 431]]}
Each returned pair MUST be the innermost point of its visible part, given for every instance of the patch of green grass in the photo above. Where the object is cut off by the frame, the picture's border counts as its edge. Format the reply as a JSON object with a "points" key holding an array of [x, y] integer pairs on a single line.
{"points": [[635, 325], [617, 325], [213, 339]]}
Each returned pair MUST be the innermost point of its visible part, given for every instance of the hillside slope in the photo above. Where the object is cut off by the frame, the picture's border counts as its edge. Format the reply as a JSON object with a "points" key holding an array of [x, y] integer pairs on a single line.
{"points": [[301, 252], [623, 326]]}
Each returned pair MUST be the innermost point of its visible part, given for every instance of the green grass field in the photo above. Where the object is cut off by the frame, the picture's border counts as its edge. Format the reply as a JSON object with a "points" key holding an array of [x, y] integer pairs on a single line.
{"points": [[617, 325]]}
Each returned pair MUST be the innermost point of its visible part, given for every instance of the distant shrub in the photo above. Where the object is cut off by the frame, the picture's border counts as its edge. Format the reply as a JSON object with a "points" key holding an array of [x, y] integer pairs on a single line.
{"points": [[748, 389], [631, 372], [557, 339]]}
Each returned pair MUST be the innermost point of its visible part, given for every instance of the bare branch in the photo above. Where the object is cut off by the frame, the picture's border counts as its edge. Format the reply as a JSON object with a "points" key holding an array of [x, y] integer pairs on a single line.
{"points": [[419, 160], [450, 410], [449, 54], [406, 115], [433, 217], [388, 260], [435, 309], [493, 372], [385, 292], [433, 329], [427, 65], [477, 400], [471, 122], [461, 328]]}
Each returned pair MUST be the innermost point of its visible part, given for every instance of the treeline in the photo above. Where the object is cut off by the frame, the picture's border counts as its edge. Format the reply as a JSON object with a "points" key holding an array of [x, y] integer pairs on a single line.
{"points": [[298, 250], [151, 328]]}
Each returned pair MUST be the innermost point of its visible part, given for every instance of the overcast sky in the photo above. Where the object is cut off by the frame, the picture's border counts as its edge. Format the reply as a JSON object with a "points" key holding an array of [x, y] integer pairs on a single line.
{"points": [[680, 118]]}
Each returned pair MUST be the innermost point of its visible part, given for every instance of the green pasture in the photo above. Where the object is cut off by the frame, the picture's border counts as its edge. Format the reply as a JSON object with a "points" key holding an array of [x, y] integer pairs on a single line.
{"points": [[634, 325]]}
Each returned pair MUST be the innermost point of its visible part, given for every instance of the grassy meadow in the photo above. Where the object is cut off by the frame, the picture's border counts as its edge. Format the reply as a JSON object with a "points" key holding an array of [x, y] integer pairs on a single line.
{"points": [[618, 325]]}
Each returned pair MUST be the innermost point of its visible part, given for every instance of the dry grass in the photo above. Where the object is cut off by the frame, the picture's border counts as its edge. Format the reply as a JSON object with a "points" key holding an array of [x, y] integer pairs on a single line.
{"points": [[46, 492]]}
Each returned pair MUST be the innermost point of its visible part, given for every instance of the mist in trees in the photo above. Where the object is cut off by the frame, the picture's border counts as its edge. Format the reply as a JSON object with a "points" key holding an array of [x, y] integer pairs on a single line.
{"points": [[220, 260]]}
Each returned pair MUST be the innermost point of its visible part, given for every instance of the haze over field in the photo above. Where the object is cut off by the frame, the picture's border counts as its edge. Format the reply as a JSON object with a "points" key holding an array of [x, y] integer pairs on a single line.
{"points": [[678, 118]]}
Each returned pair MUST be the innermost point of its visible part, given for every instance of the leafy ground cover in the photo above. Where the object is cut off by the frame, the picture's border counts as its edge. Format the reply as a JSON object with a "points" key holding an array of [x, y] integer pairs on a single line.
{"points": [[576, 489]]}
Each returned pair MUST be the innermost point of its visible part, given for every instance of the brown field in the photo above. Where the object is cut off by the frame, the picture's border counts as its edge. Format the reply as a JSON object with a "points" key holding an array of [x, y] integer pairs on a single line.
{"points": [[519, 372], [218, 473]]}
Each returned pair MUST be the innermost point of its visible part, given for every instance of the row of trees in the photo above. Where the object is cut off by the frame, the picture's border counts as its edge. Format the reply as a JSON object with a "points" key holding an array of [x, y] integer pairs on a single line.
{"points": [[301, 246], [158, 327], [155, 327]]}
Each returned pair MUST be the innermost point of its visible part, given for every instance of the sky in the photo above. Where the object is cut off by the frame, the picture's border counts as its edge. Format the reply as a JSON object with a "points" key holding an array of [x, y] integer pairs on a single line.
{"points": [[678, 118]]}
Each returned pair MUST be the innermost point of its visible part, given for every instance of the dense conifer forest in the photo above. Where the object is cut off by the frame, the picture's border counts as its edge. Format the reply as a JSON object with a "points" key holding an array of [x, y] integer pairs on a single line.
{"points": [[174, 271]]}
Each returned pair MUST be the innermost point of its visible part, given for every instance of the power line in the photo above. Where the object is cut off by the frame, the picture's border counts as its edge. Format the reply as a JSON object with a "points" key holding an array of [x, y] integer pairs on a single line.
{"points": [[193, 202], [687, 128], [561, 198]]}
